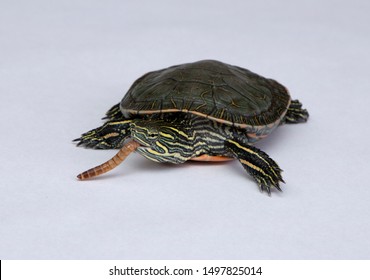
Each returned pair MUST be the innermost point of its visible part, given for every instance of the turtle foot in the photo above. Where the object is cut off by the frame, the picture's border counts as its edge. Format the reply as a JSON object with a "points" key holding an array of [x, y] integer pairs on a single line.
{"points": [[264, 170], [295, 113], [111, 135], [268, 184]]}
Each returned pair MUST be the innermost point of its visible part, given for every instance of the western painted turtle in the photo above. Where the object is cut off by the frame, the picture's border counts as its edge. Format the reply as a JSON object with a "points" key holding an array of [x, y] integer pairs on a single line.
{"points": [[206, 110]]}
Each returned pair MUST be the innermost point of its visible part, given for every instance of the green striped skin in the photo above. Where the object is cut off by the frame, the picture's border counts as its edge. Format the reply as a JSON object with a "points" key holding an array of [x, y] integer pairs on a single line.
{"points": [[184, 136], [178, 137]]}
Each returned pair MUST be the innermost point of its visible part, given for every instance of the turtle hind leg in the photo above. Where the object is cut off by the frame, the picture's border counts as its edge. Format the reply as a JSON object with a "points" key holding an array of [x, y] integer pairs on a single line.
{"points": [[257, 163], [114, 113], [111, 135], [295, 113]]}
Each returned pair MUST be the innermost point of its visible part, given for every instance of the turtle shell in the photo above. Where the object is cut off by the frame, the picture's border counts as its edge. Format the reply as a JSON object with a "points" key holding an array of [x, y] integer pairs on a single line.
{"points": [[209, 88]]}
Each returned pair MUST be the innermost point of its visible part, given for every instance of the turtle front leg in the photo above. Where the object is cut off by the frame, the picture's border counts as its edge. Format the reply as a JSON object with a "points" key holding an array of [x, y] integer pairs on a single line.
{"points": [[257, 163], [111, 135]]}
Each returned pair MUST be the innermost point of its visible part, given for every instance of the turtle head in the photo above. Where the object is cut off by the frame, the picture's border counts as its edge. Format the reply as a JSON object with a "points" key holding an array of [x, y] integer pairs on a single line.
{"points": [[163, 141]]}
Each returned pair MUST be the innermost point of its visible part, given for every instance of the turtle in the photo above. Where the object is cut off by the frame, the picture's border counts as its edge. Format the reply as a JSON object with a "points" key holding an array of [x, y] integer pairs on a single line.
{"points": [[205, 111]]}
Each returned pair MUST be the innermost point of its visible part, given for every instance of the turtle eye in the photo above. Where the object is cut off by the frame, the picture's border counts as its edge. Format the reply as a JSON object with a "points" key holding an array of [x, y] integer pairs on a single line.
{"points": [[152, 135]]}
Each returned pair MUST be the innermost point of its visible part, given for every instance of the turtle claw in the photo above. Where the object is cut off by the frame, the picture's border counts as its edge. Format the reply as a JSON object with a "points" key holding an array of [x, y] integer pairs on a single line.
{"points": [[267, 186], [278, 187], [88, 140]]}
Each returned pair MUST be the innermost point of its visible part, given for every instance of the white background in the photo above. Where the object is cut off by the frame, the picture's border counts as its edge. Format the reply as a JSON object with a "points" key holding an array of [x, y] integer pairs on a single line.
{"points": [[64, 63]]}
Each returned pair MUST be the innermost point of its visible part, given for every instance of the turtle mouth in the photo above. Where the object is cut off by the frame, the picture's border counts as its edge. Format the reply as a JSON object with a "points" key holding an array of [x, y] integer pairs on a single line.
{"points": [[146, 148], [148, 152], [140, 142], [143, 146]]}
